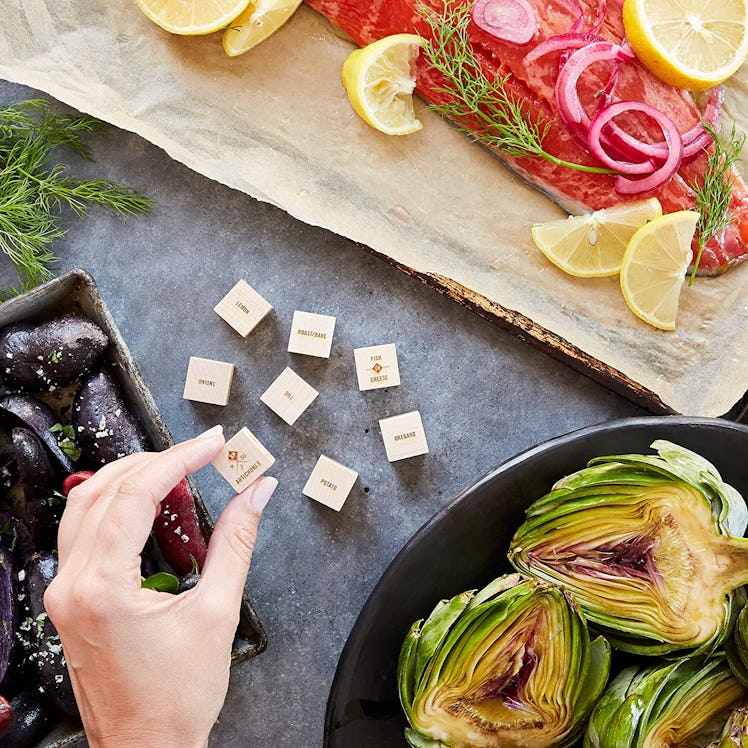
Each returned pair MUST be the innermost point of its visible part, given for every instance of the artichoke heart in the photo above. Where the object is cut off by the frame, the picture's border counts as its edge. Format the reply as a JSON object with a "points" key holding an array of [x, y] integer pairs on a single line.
{"points": [[672, 705], [645, 544], [511, 665]]}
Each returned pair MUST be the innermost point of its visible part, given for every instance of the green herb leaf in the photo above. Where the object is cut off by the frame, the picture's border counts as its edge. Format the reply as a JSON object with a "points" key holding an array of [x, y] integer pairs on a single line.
{"points": [[482, 108], [54, 358], [161, 582], [56, 498], [66, 440], [67, 430], [34, 192], [712, 196], [195, 566]]}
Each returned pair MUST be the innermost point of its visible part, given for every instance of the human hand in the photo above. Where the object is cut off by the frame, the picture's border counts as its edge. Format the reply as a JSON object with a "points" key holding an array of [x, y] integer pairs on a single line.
{"points": [[148, 668]]}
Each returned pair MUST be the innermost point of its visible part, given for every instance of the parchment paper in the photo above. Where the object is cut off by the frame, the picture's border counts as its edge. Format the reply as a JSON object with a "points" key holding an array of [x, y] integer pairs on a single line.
{"points": [[276, 124]]}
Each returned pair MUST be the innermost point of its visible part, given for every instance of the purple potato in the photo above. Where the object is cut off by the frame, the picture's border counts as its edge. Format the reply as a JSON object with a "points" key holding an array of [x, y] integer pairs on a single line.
{"points": [[41, 637], [29, 721], [45, 355], [8, 472], [148, 565], [33, 414], [105, 427], [8, 611], [38, 480], [16, 537], [188, 582]]}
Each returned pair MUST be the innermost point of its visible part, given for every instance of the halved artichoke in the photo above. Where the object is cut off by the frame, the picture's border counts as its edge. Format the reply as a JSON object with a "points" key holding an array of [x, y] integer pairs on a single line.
{"points": [[735, 732], [681, 704], [645, 545], [511, 665]]}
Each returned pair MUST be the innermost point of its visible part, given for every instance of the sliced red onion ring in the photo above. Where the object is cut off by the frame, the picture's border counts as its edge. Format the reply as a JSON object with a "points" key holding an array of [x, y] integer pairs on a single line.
{"points": [[575, 7], [602, 12], [592, 34], [670, 133], [607, 93], [714, 105], [560, 42], [567, 97], [509, 20], [694, 140]]}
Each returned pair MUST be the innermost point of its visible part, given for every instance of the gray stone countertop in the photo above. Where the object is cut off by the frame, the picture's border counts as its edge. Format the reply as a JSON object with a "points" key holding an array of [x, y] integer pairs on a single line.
{"points": [[483, 396]]}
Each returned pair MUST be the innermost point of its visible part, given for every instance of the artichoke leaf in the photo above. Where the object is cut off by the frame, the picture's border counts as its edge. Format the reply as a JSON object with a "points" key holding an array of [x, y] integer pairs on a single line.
{"points": [[593, 684], [641, 543], [436, 628], [416, 740], [737, 647], [406, 666]]}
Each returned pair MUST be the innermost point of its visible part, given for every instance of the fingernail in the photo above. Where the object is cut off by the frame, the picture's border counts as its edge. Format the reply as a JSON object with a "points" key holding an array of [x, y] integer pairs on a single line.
{"points": [[211, 433], [262, 493]]}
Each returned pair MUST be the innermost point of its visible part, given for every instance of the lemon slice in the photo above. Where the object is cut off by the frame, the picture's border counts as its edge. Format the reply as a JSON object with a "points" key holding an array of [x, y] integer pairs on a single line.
{"points": [[692, 44], [380, 79], [192, 17], [592, 246], [655, 265], [256, 23]]}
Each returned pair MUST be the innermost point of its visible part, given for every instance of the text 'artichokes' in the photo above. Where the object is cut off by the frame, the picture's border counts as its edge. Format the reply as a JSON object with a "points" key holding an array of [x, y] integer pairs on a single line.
{"points": [[512, 665], [645, 545]]}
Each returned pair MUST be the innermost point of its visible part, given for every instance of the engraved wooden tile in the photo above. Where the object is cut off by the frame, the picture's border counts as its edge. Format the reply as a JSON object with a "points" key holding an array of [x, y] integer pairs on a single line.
{"points": [[403, 436], [311, 334], [208, 381], [376, 367], [289, 396], [330, 483], [242, 460], [242, 308]]}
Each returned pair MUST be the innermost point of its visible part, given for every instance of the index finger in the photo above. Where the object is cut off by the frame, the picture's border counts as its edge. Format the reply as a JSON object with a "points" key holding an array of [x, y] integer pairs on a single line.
{"points": [[128, 520], [83, 497]]}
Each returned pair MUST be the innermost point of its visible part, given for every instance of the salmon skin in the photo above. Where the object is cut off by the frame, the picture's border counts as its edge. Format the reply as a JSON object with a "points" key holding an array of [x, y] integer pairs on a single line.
{"points": [[533, 84]]}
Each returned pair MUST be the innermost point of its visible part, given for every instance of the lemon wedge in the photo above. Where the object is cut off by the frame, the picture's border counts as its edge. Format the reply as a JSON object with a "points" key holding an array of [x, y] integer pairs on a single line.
{"points": [[192, 17], [655, 265], [689, 44], [256, 23], [592, 246], [380, 79]]}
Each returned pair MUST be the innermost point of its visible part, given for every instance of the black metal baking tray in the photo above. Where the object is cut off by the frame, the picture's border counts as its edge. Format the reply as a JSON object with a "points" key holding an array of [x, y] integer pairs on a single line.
{"points": [[76, 291]]}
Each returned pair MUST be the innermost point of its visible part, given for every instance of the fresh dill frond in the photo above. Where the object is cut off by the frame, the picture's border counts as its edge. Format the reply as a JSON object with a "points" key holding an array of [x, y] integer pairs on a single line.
{"points": [[34, 191], [481, 107], [712, 196]]}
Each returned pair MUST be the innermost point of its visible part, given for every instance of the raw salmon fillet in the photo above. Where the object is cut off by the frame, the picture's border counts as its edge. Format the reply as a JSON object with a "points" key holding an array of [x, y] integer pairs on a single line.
{"points": [[534, 84]]}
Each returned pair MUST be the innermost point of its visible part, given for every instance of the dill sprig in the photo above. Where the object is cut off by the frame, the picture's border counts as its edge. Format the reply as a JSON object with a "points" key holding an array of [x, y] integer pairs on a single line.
{"points": [[34, 192], [481, 107], [712, 196]]}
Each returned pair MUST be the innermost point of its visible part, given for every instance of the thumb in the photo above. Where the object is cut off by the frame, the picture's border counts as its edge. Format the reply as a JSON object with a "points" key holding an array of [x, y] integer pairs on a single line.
{"points": [[232, 543]]}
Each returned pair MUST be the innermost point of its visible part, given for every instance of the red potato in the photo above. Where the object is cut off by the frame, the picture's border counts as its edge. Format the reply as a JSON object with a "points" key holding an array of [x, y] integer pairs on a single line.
{"points": [[6, 713], [176, 527], [177, 530], [75, 479]]}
